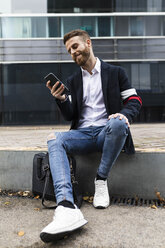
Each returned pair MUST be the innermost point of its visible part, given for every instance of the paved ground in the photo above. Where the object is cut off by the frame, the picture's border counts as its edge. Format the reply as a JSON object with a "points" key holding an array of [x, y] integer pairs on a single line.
{"points": [[147, 137], [115, 227]]}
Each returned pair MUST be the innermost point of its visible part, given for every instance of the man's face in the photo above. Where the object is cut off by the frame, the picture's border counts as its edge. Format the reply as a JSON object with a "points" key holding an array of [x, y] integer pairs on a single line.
{"points": [[78, 49]]}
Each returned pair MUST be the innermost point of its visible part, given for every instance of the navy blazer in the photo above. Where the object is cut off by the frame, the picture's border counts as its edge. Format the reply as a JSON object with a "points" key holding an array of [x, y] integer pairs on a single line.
{"points": [[114, 84]]}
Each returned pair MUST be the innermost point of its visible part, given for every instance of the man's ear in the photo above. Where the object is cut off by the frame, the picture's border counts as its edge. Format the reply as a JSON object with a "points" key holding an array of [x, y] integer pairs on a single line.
{"points": [[89, 43]]}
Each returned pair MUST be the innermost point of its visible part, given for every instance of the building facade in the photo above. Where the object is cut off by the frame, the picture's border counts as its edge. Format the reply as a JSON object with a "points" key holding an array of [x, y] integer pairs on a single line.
{"points": [[128, 33]]}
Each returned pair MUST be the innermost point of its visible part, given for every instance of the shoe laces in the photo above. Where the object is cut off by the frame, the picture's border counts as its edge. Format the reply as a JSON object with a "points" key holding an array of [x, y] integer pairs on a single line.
{"points": [[62, 211], [100, 187]]}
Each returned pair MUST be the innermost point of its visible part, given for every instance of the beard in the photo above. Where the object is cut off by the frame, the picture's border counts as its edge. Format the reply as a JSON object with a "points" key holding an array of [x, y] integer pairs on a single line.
{"points": [[81, 57]]}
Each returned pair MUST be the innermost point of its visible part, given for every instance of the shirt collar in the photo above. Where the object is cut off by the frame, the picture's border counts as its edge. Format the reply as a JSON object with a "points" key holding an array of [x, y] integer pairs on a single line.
{"points": [[97, 67]]}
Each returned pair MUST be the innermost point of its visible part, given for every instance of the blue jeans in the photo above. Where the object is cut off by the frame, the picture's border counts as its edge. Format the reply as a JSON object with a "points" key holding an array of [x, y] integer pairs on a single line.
{"points": [[107, 139]]}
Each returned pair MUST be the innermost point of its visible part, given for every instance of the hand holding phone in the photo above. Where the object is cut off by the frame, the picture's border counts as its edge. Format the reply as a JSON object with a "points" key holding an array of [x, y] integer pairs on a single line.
{"points": [[53, 79]]}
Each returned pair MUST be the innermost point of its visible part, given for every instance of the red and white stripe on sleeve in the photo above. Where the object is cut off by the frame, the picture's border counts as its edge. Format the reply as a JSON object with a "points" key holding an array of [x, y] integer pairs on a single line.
{"points": [[130, 94]]}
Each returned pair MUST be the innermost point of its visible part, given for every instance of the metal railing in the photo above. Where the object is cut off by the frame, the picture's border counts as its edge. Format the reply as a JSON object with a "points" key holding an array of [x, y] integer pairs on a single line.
{"points": [[111, 49]]}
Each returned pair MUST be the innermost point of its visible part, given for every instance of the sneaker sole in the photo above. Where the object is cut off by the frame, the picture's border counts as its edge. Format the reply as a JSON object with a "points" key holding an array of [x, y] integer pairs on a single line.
{"points": [[101, 207], [49, 237]]}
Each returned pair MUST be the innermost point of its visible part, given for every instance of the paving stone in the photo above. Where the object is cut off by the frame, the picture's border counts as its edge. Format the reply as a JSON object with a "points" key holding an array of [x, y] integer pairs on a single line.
{"points": [[147, 137]]}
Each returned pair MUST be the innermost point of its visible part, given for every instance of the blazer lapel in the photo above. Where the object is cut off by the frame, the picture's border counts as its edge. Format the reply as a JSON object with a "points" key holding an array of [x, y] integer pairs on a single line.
{"points": [[105, 78], [79, 90]]}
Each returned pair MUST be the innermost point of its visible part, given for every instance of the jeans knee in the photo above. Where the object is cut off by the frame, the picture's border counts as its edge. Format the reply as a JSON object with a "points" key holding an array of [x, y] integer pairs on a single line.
{"points": [[116, 125], [55, 140], [51, 136]]}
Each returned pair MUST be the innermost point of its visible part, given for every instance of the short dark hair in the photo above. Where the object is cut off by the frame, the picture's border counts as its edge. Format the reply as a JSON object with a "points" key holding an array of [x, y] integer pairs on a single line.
{"points": [[76, 32]]}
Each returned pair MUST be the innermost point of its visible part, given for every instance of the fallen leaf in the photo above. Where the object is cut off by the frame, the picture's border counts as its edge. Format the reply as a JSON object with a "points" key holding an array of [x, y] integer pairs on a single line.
{"points": [[37, 197], [161, 199], [154, 207], [10, 194], [20, 193], [37, 209], [90, 199], [7, 203], [21, 233], [136, 199], [85, 198], [26, 193]]}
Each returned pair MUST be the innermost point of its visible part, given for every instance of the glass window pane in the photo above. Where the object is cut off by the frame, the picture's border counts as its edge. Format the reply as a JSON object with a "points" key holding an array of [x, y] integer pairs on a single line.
{"points": [[54, 26], [154, 76], [121, 26], [163, 25], [163, 6], [39, 27], [153, 25], [140, 6], [144, 77], [154, 5], [83, 6], [140, 76], [16, 27], [162, 77], [122, 6], [26, 98], [137, 26], [24, 27], [130, 6], [104, 28], [135, 76], [0, 28], [86, 23]]}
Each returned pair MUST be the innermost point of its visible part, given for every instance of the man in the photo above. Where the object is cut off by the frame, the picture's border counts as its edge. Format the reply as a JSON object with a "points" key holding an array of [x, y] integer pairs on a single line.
{"points": [[99, 123]]}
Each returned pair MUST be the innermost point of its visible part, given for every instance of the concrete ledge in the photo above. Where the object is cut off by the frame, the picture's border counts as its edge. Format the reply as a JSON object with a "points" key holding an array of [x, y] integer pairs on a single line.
{"points": [[16, 170], [133, 175]]}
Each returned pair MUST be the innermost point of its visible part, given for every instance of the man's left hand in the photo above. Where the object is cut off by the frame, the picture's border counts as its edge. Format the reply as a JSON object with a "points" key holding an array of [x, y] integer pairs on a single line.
{"points": [[121, 116]]}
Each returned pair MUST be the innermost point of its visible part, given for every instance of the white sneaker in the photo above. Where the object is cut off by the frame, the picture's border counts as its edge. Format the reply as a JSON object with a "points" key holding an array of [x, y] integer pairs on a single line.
{"points": [[101, 196], [65, 220]]}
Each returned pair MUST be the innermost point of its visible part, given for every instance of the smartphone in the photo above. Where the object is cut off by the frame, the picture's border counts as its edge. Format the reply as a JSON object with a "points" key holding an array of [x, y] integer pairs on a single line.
{"points": [[53, 79]]}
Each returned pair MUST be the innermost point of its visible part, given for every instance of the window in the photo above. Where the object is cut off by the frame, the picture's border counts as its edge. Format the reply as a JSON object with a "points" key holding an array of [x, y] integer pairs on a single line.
{"points": [[83, 6], [161, 77], [153, 25], [163, 25], [86, 23], [121, 25], [137, 26], [140, 76], [0, 28], [130, 5], [26, 100], [154, 5], [24, 27], [104, 26]]}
